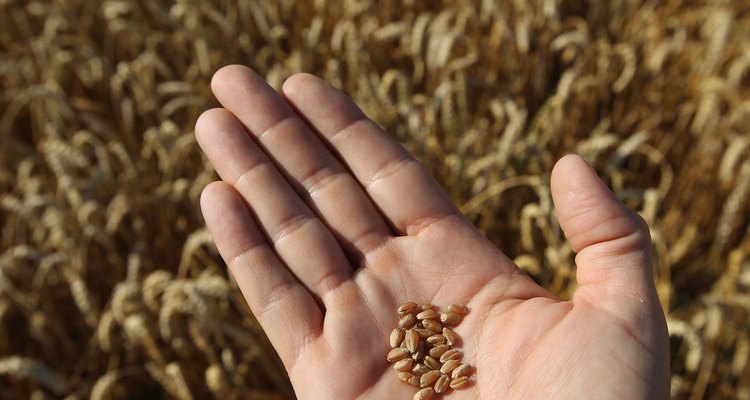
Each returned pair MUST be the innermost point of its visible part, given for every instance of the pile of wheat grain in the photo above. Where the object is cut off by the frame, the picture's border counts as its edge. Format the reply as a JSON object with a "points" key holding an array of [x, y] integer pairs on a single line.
{"points": [[424, 349], [110, 286]]}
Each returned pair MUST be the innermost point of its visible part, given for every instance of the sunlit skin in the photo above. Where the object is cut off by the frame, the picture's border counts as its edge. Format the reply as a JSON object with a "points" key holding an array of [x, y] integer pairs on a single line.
{"points": [[328, 225]]}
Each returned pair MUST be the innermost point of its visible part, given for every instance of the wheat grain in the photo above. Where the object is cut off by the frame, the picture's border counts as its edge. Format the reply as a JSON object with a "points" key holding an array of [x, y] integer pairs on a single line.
{"points": [[423, 332], [452, 354], [404, 365], [397, 354], [432, 362], [407, 321], [450, 318], [449, 366], [458, 309], [407, 308], [424, 394], [458, 383], [420, 369], [397, 337], [460, 370], [429, 378], [438, 350], [442, 384], [432, 325], [420, 352], [407, 377], [411, 340], [430, 371]]}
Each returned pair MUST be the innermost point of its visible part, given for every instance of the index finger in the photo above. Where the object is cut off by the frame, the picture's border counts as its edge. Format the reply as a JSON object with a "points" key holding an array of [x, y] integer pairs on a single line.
{"points": [[402, 188]]}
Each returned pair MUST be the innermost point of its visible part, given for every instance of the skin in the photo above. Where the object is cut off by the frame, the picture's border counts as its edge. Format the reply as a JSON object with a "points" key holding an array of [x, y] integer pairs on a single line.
{"points": [[328, 225]]}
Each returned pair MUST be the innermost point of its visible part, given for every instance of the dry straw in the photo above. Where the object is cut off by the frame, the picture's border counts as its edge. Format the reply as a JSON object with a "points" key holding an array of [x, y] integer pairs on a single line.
{"points": [[109, 275]]}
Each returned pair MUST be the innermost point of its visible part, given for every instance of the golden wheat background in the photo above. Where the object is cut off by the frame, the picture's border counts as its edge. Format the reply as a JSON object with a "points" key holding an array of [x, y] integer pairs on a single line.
{"points": [[110, 286]]}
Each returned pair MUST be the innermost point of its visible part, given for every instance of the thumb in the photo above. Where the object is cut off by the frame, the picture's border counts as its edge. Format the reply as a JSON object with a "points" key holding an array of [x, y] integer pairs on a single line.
{"points": [[613, 269], [612, 242]]}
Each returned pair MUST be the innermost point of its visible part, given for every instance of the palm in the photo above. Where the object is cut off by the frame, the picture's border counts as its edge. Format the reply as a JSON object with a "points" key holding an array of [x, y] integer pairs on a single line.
{"points": [[473, 278], [329, 250]]}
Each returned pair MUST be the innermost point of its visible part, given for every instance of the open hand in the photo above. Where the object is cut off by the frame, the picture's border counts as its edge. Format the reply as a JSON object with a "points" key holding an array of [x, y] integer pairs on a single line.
{"points": [[328, 225]]}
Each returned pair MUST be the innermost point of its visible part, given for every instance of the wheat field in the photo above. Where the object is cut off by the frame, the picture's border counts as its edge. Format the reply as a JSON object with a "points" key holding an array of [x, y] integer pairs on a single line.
{"points": [[111, 287]]}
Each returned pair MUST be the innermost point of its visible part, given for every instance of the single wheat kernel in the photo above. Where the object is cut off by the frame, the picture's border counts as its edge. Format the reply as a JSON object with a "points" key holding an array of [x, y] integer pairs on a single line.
{"points": [[403, 365], [438, 351], [461, 370], [427, 306], [397, 337], [405, 376], [442, 384], [458, 383], [450, 318], [428, 314], [407, 321], [414, 381], [411, 340], [429, 378], [419, 353], [432, 325], [458, 309], [436, 339], [449, 366], [432, 362], [424, 394], [450, 336], [423, 333], [420, 369], [397, 354], [407, 308], [452, 354]]}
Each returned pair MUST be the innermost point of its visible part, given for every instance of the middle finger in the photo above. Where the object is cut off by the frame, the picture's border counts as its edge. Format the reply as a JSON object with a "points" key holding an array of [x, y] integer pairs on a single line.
{"points": [[319, 178]]}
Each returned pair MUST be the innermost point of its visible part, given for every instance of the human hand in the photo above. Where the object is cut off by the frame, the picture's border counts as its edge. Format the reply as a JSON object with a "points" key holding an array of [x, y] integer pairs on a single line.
{"points": [[328, 225]]}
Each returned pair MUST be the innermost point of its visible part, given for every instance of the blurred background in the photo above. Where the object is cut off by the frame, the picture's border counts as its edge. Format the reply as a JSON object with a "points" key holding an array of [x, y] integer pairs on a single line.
{"points": [[110, 286]]}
